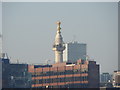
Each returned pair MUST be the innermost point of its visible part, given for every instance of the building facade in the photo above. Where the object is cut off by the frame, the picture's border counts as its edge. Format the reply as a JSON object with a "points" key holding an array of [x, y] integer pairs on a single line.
{"points": [[116, 79], [74, 51], [15, 75], [105, 78], [82, 74]]}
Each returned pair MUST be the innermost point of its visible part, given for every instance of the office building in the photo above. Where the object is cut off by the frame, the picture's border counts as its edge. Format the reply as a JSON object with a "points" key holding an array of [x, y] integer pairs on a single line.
{"points": [[15, 75], [74, 51], [105, 78], [82, 74]]}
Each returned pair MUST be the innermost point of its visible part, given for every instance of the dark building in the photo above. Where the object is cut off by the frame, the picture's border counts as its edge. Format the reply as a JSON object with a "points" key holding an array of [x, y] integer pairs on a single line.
{"points": [[15, 75], [82, 74]]}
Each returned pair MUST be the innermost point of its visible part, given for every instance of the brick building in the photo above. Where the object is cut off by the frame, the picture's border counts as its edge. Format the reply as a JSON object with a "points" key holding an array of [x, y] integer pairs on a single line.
{"points": [[82, 74]]}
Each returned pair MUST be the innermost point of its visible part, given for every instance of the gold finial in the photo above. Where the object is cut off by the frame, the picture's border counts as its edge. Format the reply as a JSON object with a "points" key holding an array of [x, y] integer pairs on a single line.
{"points": [[58, 27]]}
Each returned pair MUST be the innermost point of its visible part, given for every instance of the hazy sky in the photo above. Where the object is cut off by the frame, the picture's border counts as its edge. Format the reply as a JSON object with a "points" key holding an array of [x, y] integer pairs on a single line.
{"points": [[29, 30]]}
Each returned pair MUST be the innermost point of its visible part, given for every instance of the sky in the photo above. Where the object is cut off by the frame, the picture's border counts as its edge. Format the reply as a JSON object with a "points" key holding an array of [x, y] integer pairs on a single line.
{"points": [[29, 30]]}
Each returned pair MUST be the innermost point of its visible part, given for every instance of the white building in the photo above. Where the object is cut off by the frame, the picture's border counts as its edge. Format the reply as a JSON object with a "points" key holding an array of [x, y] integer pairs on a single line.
{"points": [[74, 51], [58, 45]]}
